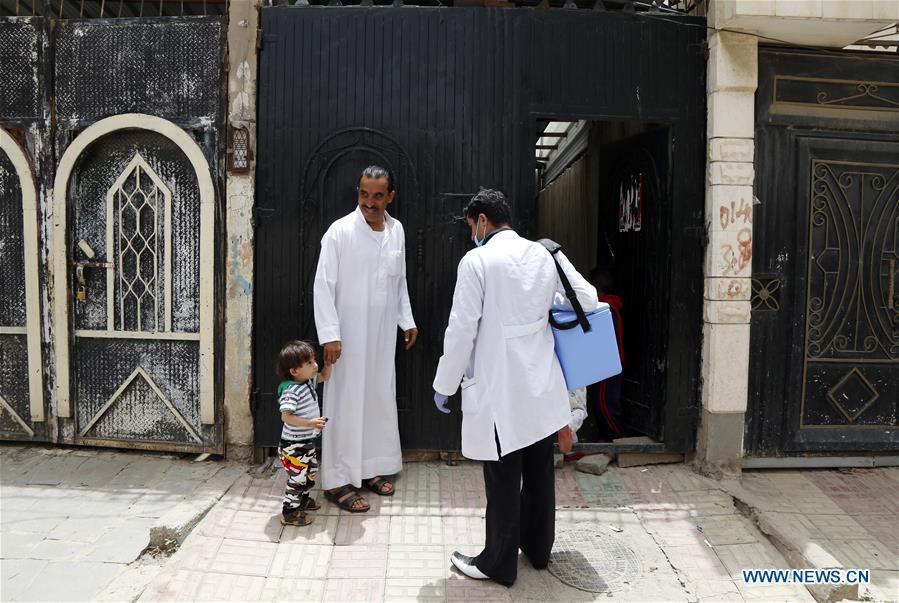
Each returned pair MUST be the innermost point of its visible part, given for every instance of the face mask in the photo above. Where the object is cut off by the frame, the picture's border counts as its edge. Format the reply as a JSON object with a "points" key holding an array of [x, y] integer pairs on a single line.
{"points": [[478, 242]]}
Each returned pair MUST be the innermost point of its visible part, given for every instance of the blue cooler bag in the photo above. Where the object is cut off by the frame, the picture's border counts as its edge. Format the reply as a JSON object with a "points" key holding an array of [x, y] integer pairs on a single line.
{"points": [[586, 357], [585, 343]]}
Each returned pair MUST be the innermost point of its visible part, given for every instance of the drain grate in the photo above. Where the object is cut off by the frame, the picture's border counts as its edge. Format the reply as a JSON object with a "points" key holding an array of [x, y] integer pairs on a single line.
{"points": [[591, 559]]}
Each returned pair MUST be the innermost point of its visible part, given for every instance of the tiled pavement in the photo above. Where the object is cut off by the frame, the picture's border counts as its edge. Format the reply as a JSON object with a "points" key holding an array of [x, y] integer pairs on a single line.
{"points": [[848, 518], [690, 538], [74, 521]]}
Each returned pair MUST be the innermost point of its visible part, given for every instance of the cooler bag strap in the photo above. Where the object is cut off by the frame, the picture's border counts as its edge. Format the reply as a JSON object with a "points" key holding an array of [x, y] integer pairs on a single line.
{"points": [[552, 247]]}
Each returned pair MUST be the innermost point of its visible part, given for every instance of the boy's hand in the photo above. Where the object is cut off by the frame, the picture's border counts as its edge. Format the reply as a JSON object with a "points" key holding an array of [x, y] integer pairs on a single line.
{"points": [[325, 374], [318, 423]]}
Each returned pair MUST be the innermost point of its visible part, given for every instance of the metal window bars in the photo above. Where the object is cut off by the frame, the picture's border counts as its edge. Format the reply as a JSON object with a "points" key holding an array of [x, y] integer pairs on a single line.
{"points": [[112, 9], [659, 6], [139, 233]]}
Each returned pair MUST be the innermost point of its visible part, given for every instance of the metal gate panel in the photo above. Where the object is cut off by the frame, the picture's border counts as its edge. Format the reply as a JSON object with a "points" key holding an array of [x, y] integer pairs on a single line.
{"points": [[20, 51], [135, 263], [850, 353], [21, 390], [824, 344]]}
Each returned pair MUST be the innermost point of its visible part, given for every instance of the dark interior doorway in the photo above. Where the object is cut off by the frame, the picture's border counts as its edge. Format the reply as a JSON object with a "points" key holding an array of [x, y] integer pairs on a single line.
{"points": [[605, 195]]}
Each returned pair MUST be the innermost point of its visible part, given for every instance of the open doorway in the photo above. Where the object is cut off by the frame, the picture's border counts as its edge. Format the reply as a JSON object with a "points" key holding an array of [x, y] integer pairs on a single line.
{"points": [[604, 194]]}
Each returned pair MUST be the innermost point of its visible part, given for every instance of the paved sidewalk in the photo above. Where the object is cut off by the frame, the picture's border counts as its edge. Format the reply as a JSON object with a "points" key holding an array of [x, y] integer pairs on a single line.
{"points": [[677, 537], [829, 518], [73, 522]]}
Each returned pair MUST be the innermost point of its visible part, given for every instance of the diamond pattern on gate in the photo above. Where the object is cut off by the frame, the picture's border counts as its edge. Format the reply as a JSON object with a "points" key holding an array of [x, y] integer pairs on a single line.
{"points": [[853, 394]]}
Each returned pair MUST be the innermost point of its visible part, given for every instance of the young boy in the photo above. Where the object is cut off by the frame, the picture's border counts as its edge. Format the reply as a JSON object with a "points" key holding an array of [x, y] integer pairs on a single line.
{"points": [[298, 403]]}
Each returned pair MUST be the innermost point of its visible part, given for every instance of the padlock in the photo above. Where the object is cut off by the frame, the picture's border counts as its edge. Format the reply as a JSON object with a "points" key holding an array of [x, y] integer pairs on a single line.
{"points": [[81, 291]]}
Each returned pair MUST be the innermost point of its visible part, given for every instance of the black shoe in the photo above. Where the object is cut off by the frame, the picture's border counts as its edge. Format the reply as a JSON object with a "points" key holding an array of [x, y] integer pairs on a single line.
{"points": [[465, 564]]}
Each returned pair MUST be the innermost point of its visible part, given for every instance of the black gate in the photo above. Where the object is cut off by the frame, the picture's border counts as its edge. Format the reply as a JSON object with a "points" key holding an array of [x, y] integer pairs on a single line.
{"points": [[824, 368], [448, 98]]}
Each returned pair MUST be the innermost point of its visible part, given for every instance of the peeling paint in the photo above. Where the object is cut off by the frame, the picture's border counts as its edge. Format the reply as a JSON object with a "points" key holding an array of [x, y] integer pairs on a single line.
{"points": [[241, 194]]}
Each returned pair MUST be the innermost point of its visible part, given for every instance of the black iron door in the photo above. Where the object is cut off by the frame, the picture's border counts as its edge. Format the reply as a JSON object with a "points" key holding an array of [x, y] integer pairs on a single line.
{"points": [[448, 99], [850, 379], [21, 394], [824, 370], [635, 222]]}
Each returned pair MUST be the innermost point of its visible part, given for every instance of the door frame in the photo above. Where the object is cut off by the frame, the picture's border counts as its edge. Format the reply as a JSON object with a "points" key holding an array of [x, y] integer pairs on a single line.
{"points": [[32, 333], [59, 248]]}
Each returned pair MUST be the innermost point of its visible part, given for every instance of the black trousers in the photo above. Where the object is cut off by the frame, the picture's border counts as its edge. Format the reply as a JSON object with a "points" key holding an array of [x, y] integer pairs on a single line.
{"points": [[521, 510]]}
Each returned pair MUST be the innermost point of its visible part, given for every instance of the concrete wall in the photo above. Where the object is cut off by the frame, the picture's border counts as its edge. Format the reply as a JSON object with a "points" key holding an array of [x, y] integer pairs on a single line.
{"points": [[240, 190], [834, 23], [732, 78]]}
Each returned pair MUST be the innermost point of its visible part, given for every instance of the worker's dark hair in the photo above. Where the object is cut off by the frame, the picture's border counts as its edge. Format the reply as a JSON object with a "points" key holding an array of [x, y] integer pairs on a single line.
{"points": [[601, 278], [492, 203], [293, 355], [376, 172]]}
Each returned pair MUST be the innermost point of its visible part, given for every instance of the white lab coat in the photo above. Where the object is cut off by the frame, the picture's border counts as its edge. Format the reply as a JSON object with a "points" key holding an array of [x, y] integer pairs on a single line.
{"points": [[499, 344], [360, 298]]}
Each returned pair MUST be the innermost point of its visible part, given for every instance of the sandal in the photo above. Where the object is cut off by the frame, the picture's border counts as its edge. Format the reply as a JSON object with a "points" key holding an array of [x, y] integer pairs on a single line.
{"points": [[311, 505], [344, 497], [377, 484], [296, 518]]}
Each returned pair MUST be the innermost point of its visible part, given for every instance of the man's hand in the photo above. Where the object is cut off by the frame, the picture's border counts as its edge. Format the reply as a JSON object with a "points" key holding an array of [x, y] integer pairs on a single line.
{"points": [[565, 440], [440, 401], [332, 352], [411, 336]]}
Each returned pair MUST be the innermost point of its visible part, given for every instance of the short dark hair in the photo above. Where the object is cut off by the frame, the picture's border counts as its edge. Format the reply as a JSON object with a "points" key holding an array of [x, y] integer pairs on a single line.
{"points": [[294, 354], [601, 278], [376, 172], [492, 203]]}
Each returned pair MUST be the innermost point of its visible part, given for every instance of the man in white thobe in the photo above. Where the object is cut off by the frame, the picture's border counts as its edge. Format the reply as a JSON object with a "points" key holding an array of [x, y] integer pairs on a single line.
{"points": [[360, 298]]}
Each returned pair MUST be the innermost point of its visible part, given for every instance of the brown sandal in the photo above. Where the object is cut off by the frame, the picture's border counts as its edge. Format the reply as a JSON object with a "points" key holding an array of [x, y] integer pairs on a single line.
{"points": [[376, 485], [344, 497], [296, 518], [311, 505]]}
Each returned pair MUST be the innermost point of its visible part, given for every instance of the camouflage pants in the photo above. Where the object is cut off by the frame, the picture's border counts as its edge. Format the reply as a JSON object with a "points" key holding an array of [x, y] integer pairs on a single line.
{"points": [[301, 463]]}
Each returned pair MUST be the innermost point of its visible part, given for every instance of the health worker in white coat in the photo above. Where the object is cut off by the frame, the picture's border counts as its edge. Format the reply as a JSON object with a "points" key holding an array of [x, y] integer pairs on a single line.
{"points": [[361, 297], [499, 346]]}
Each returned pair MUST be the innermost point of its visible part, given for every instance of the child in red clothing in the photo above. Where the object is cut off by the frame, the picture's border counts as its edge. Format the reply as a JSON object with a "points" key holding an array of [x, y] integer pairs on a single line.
{"points": [[608, 398]]}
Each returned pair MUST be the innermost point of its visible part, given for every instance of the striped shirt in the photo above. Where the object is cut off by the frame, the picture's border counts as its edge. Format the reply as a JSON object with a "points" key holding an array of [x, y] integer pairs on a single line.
{"points": [[300, 399]]}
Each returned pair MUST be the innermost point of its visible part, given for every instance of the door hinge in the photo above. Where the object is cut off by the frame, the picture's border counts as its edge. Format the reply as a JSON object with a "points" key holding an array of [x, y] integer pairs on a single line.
{"points": [[263, 40], [260, 213], [254, 401]]}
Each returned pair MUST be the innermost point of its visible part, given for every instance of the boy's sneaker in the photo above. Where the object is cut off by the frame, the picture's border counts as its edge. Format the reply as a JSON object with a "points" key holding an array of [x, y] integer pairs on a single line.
{"points": [[295, 518]]}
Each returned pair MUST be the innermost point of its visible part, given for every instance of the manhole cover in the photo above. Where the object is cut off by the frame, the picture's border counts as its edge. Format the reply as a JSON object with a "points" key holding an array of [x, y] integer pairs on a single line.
{"points": [[593, 560]]}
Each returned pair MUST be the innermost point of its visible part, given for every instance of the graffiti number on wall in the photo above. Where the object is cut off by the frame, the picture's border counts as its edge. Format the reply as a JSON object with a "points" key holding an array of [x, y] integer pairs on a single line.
{"points": [[730, 214], [737, 260]]}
